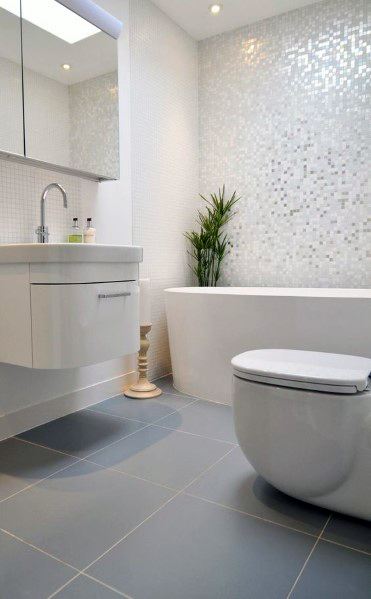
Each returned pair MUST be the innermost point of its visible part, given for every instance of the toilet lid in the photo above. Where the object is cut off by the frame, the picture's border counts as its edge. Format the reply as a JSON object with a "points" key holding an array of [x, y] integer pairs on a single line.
{"points": [[332, 373]]}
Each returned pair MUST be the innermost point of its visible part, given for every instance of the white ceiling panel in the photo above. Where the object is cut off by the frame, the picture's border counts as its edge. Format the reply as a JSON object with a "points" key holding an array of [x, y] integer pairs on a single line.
{"points": [[194, 15]]}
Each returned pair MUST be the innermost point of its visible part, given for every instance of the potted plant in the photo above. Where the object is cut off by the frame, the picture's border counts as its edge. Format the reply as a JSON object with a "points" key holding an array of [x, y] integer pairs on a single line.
{"points": [[211, 244]]}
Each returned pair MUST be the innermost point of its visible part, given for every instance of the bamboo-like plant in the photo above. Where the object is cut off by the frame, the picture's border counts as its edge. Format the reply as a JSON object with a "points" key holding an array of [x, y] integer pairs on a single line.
{"points": [[210, 244]]}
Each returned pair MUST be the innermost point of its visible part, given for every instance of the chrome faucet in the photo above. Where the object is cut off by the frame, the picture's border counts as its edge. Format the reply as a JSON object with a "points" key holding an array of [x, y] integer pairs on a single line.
{"points": [[43, 231]]}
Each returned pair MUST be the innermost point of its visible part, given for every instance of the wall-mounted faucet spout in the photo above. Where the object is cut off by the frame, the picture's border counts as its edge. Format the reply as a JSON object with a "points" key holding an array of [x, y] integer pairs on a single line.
{"points": [[43, 231]]}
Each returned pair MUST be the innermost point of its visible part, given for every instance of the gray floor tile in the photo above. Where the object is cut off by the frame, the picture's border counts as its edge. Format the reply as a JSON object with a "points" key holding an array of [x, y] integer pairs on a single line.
{"points": [[85, 588], [192, 549], [79, 513], [334, 572], [234, 482], [349, 531], [146, 410], [163, 456], [204, 418], [27, 573], [82, 433], [165, 383], [22, 464]]}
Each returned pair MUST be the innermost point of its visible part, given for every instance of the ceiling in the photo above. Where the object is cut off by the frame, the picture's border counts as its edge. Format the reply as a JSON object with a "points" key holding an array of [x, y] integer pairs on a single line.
{"points": [[45, 53], [194, 15]]}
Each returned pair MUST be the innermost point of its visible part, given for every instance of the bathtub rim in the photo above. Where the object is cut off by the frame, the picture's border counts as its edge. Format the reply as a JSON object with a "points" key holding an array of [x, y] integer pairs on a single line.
{"points": [[303, 292]]}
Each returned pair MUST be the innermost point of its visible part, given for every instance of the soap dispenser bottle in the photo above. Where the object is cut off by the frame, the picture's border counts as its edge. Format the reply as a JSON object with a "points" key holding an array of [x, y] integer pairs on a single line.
{"points": [[89, 232], [76, 234]]}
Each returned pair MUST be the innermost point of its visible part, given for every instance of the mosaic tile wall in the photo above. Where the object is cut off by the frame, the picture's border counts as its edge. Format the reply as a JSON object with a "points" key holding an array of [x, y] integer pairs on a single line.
{"points": [[94, 115], [285, 120], [20, 191], [164, 157]]}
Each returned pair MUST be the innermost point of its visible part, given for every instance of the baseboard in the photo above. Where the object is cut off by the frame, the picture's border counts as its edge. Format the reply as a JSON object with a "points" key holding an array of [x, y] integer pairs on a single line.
{"points": [[31, 416]]}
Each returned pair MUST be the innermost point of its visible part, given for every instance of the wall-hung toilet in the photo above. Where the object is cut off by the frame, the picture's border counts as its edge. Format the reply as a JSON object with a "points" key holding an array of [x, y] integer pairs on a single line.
{"points": [[303, 420]]}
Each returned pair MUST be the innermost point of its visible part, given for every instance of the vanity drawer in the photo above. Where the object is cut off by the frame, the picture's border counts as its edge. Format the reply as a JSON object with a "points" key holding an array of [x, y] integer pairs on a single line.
{"points": [[75, 325]]}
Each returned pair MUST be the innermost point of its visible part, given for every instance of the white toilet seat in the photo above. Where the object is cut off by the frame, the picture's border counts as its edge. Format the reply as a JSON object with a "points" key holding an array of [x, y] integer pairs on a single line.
{"points": [[316, 371]]}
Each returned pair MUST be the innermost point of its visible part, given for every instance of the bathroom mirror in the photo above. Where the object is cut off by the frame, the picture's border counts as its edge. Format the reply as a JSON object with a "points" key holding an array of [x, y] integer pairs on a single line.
{"points": [[59, 101], [11, 105], [70, 90]]}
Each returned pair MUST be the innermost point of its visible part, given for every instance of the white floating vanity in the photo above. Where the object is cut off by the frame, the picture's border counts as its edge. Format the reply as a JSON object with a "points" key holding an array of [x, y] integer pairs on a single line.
{"points": [[68, 305]]}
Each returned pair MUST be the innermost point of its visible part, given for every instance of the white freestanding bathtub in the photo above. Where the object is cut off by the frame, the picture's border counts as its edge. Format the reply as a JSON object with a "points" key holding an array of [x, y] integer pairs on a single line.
{"points": [[208, 326]]}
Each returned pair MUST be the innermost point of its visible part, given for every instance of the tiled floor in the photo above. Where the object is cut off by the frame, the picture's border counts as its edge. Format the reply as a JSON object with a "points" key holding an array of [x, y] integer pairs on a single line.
{"points": [[154, 500]]}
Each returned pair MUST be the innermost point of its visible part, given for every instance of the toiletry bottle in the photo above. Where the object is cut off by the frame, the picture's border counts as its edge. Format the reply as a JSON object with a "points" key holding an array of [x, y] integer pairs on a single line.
{"points": [[89, 232], [76, 234]]}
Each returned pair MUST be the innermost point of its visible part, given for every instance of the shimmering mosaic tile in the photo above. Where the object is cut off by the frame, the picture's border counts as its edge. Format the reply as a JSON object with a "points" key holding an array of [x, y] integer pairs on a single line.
{"points": [[285, 120]]}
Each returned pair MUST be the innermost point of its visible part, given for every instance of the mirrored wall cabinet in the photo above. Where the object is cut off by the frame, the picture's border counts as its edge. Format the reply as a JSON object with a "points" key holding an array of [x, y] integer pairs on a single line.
{"points": [[59, 104]]}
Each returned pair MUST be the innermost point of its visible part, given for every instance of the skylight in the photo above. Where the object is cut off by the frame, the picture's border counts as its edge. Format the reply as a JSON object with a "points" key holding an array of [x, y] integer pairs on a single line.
{"points": [[53, 17]]}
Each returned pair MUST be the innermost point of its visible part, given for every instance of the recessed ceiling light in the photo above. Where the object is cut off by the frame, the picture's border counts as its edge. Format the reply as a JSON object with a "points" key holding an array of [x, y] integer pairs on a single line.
{"points": [[52, 17], [66, 67], [215, 8]]}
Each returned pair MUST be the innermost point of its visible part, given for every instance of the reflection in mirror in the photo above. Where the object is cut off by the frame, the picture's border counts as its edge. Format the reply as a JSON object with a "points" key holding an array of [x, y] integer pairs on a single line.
{"points": [[70, 90], [11, 110]]}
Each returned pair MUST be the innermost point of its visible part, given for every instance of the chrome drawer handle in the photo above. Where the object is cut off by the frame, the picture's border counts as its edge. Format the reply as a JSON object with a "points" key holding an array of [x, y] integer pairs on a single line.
{"points": [[110, 295]]}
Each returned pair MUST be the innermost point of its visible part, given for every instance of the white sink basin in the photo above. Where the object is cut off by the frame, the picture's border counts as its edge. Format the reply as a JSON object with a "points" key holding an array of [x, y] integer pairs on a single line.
{"points": [[68, 252]]}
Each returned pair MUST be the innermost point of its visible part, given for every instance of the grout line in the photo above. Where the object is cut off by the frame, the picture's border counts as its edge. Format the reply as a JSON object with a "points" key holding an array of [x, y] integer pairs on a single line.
{"points": [[207, 470], [146, 480], [182, 394], [163, 376], [59, 589], [180, 409], [116, 441], [308, 558], [124, 537], [154, 512], [89, 461], [39, 549], [177, 493], [82, 575], [105, 584], [70, 455], [131, 532], [179, 394], [86, 459], [110, 468], [196, 435], [41, 479], [346, 546], [181, 491], [105, 413], [228, 507], [155, 423]]}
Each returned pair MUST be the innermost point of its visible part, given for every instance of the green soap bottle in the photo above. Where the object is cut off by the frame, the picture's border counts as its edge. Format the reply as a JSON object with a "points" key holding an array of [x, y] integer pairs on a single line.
{"points": [[76, 234]]}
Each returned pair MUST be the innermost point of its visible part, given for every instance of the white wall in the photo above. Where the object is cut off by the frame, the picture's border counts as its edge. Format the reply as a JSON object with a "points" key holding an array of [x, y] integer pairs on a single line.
{"points": [[11, 129], [159, 160], [47, 118], [110, 206], [164, 157]]}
